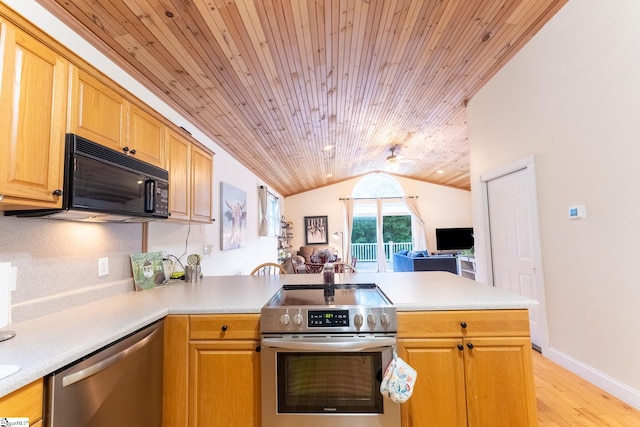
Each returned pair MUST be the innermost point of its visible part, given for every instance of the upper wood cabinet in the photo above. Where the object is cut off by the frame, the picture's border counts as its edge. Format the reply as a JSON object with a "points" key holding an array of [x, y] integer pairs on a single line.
{"points": [[146, 136], [179, 167], [201, 184], [190, 179], [33, 94], [99, 112], [96, 111]]}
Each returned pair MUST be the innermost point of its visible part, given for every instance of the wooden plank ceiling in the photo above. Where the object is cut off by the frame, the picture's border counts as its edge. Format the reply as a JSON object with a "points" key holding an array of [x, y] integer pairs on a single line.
{"points": [[309, 93]]}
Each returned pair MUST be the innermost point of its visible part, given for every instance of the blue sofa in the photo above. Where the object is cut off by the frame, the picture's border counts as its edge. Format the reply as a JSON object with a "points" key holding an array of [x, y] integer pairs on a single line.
{"points": [[423, 261]]}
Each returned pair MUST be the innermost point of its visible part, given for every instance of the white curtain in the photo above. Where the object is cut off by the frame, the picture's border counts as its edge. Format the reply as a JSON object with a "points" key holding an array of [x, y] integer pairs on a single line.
{"points": [[419, 239], [263, 228], [347, 209], [382, 259]]}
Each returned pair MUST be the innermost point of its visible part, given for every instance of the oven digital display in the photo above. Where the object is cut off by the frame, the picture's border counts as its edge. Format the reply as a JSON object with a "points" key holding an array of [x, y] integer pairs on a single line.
{"points": [[328, 318]]}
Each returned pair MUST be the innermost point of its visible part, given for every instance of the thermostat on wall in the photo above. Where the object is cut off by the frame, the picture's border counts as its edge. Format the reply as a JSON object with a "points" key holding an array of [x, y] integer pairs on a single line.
{"points": [[577, 212]]}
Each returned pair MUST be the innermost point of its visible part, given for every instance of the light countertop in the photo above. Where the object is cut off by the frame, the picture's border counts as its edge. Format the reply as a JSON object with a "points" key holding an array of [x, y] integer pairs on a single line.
{"points": [[47, 344]]}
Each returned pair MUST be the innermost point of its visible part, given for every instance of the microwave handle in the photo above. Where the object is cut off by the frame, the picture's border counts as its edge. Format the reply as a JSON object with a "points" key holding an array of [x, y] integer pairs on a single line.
{"points": [[339, 346], [149, 196]]}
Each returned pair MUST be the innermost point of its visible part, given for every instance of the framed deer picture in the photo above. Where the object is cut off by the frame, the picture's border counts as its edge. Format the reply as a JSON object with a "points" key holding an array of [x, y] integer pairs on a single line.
{"points": [[233, 228], [316, 230]]}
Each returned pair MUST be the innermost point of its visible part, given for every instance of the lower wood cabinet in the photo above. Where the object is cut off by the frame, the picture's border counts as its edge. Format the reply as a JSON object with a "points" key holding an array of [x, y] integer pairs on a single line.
{"points": [[474, 369], [466, 377], [212, 370], [25, 402]]}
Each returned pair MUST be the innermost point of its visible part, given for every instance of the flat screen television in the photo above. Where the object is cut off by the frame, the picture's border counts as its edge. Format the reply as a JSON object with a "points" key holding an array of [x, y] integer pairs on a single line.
{"points": [[454, 239]]}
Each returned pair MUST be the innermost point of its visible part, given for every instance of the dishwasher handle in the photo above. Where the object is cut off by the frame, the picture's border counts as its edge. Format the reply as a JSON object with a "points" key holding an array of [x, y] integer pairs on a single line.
{"points": [[85, 373]]}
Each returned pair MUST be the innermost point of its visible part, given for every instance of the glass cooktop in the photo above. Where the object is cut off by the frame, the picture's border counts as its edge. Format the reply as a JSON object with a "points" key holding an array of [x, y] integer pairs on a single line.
{"points": [[364, 295]]}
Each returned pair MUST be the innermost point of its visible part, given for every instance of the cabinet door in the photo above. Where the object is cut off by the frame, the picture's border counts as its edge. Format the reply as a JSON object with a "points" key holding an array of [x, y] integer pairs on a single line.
{"points": [[176, 371], [33, 95], [146, 137], [499, 382], [201, 184], [97, 112], [179, 167], [438, 398], [224, 383], [25, 402]]}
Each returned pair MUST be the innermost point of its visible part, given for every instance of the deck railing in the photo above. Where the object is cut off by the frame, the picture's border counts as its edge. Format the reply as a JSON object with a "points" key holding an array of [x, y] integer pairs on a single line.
{"points": [[369, 252]]}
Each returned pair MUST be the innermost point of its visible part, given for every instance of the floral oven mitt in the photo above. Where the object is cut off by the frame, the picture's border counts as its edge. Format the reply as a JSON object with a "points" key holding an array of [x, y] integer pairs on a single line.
{"points": [[398, 381]]}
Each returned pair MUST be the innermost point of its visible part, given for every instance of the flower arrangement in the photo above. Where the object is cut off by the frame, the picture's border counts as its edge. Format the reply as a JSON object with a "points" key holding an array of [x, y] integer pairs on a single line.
{"points": [[323, 255]]}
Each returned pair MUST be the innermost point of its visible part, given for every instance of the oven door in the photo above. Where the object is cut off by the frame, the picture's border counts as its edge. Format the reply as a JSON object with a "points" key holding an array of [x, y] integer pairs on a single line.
{"points": [[323, 380]]}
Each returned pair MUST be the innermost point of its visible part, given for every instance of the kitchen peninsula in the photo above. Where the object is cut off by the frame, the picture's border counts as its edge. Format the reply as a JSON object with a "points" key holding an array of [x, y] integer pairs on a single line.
{"points": [[44, 345]]}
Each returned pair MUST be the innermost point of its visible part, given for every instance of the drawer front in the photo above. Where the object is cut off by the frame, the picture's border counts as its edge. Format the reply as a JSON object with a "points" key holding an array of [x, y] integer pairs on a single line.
{"points": [[224, 326], [463, 323]]}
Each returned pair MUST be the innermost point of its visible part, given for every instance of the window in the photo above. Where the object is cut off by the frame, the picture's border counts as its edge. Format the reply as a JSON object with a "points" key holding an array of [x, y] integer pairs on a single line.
{"points": [[396, 219], [273, 215]]}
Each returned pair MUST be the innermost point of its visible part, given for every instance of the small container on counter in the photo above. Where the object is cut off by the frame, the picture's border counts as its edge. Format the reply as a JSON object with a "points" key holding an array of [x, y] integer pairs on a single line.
{"points": [[328, 274], [191, 273]]}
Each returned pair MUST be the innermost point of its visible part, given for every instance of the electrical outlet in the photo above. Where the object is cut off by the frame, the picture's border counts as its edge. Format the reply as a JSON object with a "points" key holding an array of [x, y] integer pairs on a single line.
{"points": [[206, 250], [103, 266]]}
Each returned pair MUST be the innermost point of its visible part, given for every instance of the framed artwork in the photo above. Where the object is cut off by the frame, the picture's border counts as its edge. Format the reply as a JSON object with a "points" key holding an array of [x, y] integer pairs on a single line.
{"points": [[316, 230], [233, 203], [148, 271]]}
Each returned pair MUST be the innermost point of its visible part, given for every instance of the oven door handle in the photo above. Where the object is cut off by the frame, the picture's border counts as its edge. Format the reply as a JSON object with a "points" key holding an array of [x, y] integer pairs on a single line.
{"points": [[337, 345]]}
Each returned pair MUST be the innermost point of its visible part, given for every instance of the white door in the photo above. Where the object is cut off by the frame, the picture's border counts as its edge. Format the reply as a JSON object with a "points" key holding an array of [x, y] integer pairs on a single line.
{"points": [[512, 240]]}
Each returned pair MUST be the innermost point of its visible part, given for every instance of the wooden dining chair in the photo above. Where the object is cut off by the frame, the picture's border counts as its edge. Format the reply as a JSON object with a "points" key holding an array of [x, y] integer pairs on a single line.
{"points": [[344, 267], [268, 269]]}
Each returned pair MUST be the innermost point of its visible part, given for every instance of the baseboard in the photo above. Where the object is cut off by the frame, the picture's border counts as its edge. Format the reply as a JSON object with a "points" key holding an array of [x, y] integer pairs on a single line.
{"points": [[597, 378]]}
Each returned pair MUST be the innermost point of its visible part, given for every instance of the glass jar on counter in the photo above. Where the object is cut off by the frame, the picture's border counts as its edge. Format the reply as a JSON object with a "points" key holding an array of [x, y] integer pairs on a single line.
{"points": [[328, 274]]}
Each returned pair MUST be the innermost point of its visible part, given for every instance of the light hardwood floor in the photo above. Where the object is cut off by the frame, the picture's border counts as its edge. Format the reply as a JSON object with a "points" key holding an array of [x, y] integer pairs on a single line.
{"points": [[564, 399]]}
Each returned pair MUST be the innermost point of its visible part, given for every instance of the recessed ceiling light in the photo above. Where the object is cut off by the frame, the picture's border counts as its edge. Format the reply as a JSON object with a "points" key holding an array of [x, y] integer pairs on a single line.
{"points": [[328, 147], [329, 175], [440, 171]]}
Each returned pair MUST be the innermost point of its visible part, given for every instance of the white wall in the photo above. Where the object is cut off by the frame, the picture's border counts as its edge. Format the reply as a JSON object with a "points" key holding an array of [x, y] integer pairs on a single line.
{"points": [[570, 98], [57, 262], [439, 207]]}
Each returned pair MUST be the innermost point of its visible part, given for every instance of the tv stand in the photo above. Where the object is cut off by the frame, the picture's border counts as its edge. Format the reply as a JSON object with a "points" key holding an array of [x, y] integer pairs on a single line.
{"points": [[467, 266]]}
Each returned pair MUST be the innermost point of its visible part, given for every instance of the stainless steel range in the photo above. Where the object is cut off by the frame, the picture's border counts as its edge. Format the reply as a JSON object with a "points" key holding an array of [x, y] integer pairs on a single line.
{"points": [[324, 351]]}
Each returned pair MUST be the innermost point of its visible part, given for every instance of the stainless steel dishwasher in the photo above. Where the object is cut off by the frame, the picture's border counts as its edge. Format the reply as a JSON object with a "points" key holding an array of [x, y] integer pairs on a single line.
{"points": [[119, 385]]}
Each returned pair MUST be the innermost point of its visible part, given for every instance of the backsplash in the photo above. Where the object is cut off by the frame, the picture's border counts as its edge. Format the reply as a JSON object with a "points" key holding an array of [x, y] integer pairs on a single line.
{"points": [[58, 262]]}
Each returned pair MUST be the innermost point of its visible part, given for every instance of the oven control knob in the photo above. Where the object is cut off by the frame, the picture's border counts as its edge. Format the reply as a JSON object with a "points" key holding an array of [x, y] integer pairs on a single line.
{"points": [[371, 319], [358, 320], [285, 319], [384, 319], [297, 319]]}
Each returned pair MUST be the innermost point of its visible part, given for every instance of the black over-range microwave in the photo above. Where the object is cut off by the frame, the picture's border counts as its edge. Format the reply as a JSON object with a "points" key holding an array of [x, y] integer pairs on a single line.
{"points": [[101, 184]]}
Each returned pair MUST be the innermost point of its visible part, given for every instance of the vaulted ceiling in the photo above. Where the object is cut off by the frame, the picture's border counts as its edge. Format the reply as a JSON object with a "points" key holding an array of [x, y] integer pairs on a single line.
{"points": [[306, 93]]}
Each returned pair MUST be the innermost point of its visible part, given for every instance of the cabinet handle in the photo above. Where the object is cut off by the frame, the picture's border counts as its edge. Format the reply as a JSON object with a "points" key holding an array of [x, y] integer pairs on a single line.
{"points": [[460, 347], [463, 325], [57, 193], [470, 346], [224, 328], [258, 349], [132, 152], [125, 149]]}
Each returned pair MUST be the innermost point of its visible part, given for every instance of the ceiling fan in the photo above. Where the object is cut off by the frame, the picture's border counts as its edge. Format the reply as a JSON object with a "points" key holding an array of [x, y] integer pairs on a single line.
{"points": [[394, 160]]}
